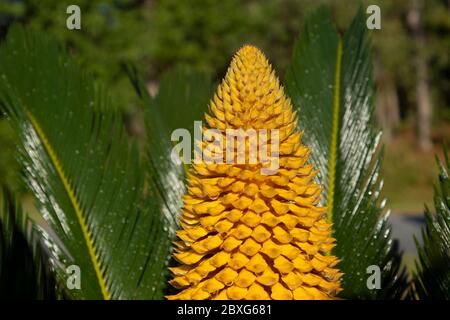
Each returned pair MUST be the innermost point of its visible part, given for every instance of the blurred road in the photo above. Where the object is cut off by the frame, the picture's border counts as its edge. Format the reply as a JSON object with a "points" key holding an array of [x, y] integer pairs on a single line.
{"points": [[404, 227]]}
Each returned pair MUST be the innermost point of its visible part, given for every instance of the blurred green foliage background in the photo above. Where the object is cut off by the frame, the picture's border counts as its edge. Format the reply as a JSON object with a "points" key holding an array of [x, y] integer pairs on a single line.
{"points": [[203, 34]]}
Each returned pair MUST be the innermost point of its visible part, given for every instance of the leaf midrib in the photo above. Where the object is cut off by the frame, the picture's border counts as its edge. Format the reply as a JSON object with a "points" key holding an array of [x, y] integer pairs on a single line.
{"points": [[74, 201], [334, 132]]}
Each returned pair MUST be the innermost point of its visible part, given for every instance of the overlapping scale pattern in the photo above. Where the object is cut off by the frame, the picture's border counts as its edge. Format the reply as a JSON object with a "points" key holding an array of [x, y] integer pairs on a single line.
{"points": [[246, 235]]}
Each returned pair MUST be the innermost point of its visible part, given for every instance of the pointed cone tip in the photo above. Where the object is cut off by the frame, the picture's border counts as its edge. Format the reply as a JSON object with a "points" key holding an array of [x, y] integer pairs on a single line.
{"points": [[249, 50]]}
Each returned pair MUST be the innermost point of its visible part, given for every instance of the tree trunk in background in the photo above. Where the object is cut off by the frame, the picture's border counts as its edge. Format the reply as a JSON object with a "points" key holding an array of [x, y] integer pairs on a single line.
{"points": [[424, 108], [387, 103]]}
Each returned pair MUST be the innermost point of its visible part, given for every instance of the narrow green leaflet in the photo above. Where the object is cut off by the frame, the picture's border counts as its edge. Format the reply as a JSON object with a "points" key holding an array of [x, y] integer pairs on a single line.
{"points": [[330, 83], [84, 175], [432, 280]]}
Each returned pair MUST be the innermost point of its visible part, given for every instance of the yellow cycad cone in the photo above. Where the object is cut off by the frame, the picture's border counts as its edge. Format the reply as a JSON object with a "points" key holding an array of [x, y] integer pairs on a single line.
{"points": [[246, 235]]}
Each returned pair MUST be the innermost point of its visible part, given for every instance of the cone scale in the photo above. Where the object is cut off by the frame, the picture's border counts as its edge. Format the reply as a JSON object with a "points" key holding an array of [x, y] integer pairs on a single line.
{"points": [[246, 235]]}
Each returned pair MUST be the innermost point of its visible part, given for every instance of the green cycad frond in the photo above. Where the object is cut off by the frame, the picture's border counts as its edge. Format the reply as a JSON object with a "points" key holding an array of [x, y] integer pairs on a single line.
{"points": [[85, 177], [432, 280], [23, 273], [181, 100], [330, 82]]}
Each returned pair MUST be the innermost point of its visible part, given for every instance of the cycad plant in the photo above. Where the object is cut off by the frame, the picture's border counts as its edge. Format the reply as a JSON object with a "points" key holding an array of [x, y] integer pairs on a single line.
{"points": [[111, 215], [431, 280]]}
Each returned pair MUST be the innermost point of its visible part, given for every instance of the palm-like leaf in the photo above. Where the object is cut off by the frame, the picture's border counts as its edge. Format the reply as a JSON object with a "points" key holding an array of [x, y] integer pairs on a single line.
{"points": [[86, 179], [181, 100], [330, 82], [432, 280], [23, 274]]}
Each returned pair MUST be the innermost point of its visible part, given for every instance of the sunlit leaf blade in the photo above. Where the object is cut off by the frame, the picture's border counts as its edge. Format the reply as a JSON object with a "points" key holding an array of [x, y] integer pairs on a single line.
{"points": [[23, 270], [330, 83], [86, 179], [432, 280]]}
